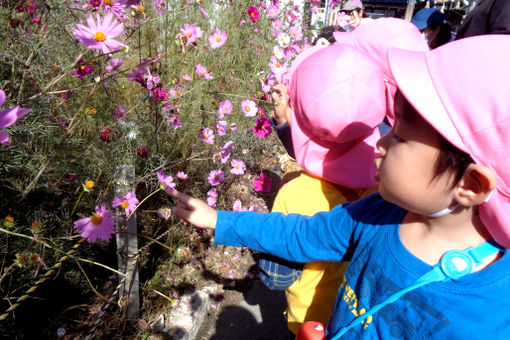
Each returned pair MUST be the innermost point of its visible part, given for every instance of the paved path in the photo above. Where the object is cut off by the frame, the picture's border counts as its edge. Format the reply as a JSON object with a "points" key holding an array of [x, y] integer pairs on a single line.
{"points": [[256, 314]]}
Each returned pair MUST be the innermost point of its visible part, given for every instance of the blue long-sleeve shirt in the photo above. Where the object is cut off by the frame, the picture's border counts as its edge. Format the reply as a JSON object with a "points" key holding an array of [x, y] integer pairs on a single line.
{"points": [[366, 233]]}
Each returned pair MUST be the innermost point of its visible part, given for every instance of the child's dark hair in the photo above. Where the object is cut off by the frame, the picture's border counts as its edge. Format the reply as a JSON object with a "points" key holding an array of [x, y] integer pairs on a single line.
{"points": [[450, 158]]}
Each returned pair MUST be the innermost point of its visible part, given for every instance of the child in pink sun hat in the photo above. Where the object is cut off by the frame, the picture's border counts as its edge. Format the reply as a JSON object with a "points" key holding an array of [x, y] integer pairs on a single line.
{"points": [[429, 253]]}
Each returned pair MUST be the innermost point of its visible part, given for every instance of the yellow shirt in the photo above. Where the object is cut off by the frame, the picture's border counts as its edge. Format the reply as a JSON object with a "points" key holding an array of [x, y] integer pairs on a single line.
{"points": [[311, 298]]}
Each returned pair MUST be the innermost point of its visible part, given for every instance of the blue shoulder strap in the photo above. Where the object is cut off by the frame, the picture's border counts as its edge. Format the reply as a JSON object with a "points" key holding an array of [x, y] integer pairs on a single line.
{"points": [[454, 264]]}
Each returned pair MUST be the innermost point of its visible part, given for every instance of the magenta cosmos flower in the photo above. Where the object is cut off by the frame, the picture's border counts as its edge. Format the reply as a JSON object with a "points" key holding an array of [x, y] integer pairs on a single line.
{"points": [[99, 226], [216, 177], [263, 183], [191, 32], [167, 182], [99, 34], [218, 38], [238, 167], [225, 108], [9, 117], [128, 202], [262, 127], [249, 108], [83, 69], [253, 13]]}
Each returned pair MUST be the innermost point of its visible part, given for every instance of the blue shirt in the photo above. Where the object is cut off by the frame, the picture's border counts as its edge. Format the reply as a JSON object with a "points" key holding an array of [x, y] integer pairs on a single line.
{"points": [[366, 233]]}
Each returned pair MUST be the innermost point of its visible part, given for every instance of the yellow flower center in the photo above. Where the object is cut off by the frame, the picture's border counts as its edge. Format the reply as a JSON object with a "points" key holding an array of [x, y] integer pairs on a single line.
{"points": [[278, 64], [9, 219], [295, 33], [96, 219], [263, 127], [108, 2], [124, 205], [262, 182], [89, 184], [92, 111], [237, 166], [99, 36], [82, 67], [218, 39], [179, 92], [188, 35], [247, 108], [141, 8], [252, 14]]}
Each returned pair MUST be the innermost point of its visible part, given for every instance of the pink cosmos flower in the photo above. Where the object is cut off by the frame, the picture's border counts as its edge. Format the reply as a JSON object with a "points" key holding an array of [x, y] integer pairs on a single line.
{"points": [[187, 77], [238, 206], [277, 25], [233, 127], [99, 34], [315, 9], [83, 69], [225, 151], [160, 6], [249, 107], [9, 117], [216, 177], [191, 32], [113, 65], [165, 212], [342, 19], [253, 13], [201, 70], [272, 11], [295, 33], [262, 127], [238, 167], [167, 182], [117, 7], [225, 107], [150, 80], [174, 121], [212, 197], [207, 136], [99, 226], [181, 175], [95, 3], [263, 183], [159, 94], [218, 38], [137, 74], [120, 112], [128, 202], [221, 127], [277, 67]]}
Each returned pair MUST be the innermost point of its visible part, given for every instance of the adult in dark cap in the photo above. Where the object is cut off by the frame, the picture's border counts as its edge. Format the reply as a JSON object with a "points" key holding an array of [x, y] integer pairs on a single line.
{"points": [[433, 26]]}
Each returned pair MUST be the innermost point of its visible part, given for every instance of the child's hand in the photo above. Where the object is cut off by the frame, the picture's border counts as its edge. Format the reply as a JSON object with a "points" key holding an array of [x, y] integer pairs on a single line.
{"points": [[194, 211], [281, 112]]}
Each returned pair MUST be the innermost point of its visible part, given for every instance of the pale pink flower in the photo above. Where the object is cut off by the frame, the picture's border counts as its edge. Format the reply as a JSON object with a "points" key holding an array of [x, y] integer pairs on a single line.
{"points": [[295, 33], [201, 70], [9, 117], [99, 34], [117, 7], [277, 25], [113, 65], [212, 197], [218, 38], [99, 226], [221, 127], [238, 167], [238, 206], [187, 77], [165, 212], [204, 12], [249, 108], [216, 177], [128, 202], [272, 11], [315, 9], [225, 107], [233, 127], [342, 19], [277, 67], [225, 151], [207, 136], [181, 175], [160, 6], [191, 32], [174, 121], [167, 182]]}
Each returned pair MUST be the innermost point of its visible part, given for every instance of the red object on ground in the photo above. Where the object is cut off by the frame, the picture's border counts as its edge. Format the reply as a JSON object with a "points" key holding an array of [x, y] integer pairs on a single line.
{"points": [[311, 330]]}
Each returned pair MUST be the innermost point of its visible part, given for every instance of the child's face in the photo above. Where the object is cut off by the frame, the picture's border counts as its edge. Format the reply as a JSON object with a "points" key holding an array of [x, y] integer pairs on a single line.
{"points": [[409, 152]]}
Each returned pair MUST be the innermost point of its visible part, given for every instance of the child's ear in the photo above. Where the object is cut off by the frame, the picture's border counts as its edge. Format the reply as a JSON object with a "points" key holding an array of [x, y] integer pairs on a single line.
{"points": [[475, 185]]}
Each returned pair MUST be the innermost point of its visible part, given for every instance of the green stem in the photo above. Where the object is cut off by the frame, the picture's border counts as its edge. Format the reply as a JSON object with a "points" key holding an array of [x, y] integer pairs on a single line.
{"points": [[78, 201], [139, 204]]}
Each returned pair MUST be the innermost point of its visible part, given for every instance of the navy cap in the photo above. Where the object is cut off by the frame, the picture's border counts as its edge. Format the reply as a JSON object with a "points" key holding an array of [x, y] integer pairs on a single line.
{"points": [[426, 17]]}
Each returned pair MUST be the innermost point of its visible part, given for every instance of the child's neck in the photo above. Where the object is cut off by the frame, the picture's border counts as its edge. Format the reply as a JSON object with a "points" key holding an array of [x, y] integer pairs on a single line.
{"points": [[428, 238]]}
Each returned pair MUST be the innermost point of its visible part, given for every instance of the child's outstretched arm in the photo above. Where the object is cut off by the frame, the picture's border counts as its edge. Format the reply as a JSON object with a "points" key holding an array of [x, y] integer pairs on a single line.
{"points": [[194, 211], [281, 112]]}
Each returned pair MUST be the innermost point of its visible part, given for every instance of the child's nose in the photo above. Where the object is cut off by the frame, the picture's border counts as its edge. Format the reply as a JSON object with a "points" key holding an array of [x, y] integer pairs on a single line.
{"points": [[382, 143]]}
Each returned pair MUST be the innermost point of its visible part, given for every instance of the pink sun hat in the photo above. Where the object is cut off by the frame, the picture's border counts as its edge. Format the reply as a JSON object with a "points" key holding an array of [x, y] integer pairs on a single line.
{"points": [[376, 37], [463, 90], [337, 96]]}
